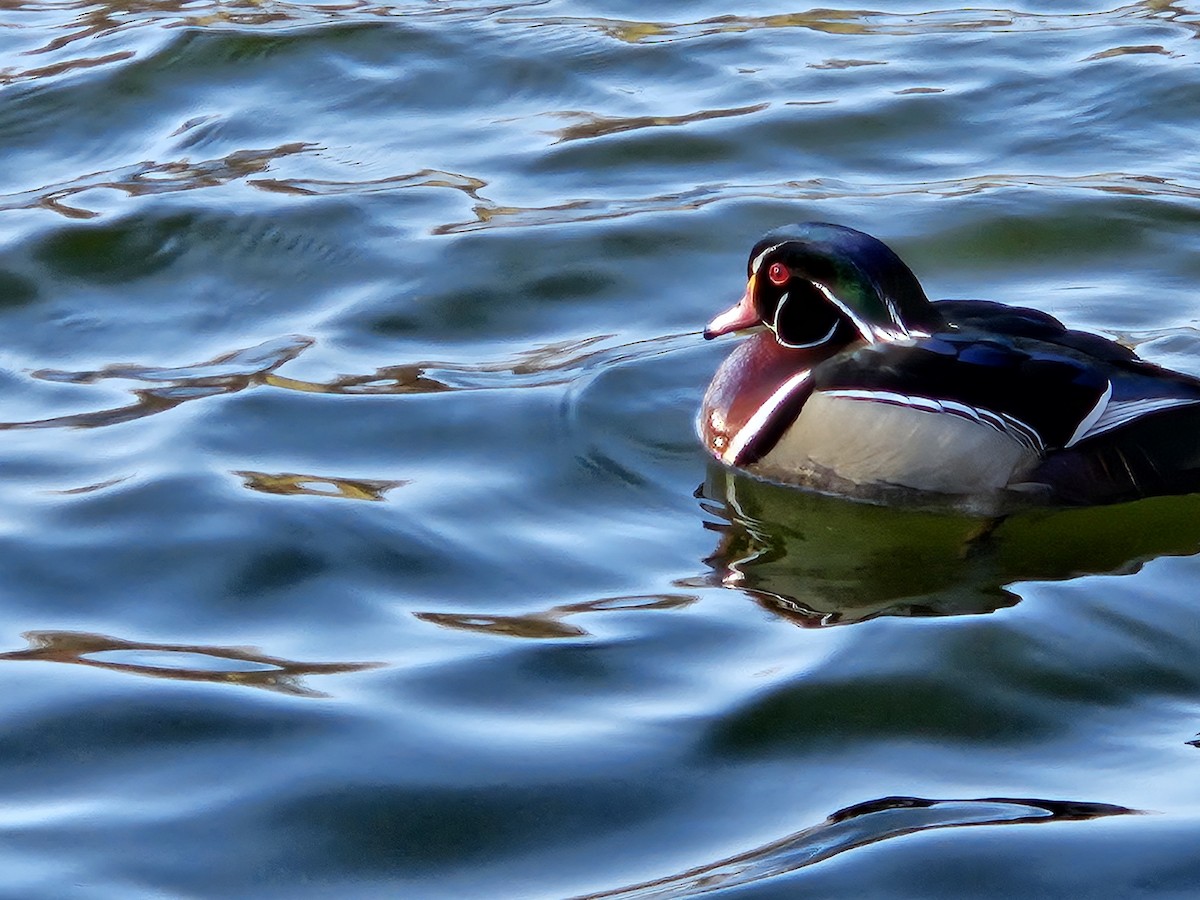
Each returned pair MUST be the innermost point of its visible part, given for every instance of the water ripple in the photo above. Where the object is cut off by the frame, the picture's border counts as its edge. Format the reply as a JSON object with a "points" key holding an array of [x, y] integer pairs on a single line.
{"points": [[594, 125], [226, 374], [179, 662], [556, 363], [813, 189], [101, 21], [427, 178], [549, 623], [40, 73], [868, 22], [144, 178], [858, 826], [295, 484]]}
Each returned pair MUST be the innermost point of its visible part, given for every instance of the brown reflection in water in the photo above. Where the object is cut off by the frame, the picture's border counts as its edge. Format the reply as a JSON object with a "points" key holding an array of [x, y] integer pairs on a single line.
{"points": [[550, 364], [225, 374], [282, 675], [1130, 51], [70, 65], [100, 19], [863, 22], [318, 485], [846, 63], [597, 126], [413, 378], [549, 624], [435, 178], [859, 826], [155, 178], [144, 178], [810, 190], [88, 488]]}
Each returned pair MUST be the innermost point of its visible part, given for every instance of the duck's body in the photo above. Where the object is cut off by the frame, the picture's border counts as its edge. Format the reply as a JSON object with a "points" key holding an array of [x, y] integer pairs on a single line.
{"points": [[861, 386]]}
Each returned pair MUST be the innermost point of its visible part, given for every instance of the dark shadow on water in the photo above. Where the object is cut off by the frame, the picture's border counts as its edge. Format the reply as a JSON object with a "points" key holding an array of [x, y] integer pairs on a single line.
{"points": [[853, 827], [242, 666], [818, 560]]}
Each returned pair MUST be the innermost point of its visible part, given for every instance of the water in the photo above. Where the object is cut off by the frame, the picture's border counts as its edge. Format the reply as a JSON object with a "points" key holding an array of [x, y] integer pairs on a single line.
{"points": [[356, 540]]}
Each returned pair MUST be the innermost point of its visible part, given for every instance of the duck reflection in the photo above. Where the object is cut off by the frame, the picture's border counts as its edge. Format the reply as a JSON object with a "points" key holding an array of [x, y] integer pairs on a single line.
{"points": [[819, 560], [180, 662]]}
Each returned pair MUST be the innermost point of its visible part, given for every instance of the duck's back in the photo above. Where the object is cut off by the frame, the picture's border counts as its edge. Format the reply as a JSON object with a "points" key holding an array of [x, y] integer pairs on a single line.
{"points": [[1003, 399]]}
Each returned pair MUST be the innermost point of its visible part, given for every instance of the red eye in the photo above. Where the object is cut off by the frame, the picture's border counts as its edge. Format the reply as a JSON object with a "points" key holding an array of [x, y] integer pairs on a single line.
{"points": [[778, 273]]}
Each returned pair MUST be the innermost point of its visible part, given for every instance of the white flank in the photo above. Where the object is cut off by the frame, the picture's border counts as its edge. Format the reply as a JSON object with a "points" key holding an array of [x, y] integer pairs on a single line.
{"points": [[1005, 424]]}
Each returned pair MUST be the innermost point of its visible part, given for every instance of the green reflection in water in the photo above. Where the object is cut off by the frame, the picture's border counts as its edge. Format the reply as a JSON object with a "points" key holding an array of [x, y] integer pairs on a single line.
{"points": [[820, 560]]}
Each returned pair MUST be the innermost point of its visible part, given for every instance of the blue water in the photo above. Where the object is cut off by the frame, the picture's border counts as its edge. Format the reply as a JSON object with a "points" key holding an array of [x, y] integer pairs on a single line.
{"points": [[355, 536]]}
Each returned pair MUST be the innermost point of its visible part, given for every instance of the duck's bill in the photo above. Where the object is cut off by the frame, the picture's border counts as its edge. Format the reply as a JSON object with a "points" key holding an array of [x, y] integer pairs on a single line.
{"points": [[739, 316]]}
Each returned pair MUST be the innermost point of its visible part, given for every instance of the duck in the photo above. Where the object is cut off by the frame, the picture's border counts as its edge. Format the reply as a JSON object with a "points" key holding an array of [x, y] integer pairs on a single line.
{"points": [[853, 382]]}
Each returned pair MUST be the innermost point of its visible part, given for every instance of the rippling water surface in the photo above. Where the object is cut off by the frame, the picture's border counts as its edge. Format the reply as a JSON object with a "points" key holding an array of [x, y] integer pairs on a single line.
{"points": [[355, 537]]}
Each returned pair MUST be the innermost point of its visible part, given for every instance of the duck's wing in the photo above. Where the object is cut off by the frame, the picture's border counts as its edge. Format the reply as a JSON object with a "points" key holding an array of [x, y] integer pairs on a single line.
{"points": [[1043, 395], [988, 315], [1029, 324], [1139, 388]]}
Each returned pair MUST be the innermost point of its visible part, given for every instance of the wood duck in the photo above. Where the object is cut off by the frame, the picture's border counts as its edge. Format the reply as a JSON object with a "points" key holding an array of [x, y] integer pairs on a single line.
{"points": [[857, 384]]}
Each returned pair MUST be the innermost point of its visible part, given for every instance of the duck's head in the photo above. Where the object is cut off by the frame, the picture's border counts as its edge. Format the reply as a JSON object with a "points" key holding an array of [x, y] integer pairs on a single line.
{"points": [[817, 289], [817, 285]]}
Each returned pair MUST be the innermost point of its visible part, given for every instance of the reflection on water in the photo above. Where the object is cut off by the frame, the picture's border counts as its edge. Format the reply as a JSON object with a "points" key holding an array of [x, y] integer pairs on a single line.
{"points": [[425, 178], [809, 190], [319, 486], [549, 623], [550, 364], [226, 374], [861, 22], [819, 560], [62, 68], [217, 665], [857, 826], [521, 204], [594, 125], [144, 178], [101, 20]]}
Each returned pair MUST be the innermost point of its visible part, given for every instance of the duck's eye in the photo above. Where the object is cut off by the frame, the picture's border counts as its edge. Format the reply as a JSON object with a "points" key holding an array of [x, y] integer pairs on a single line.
{"points": [[778, 273]]}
